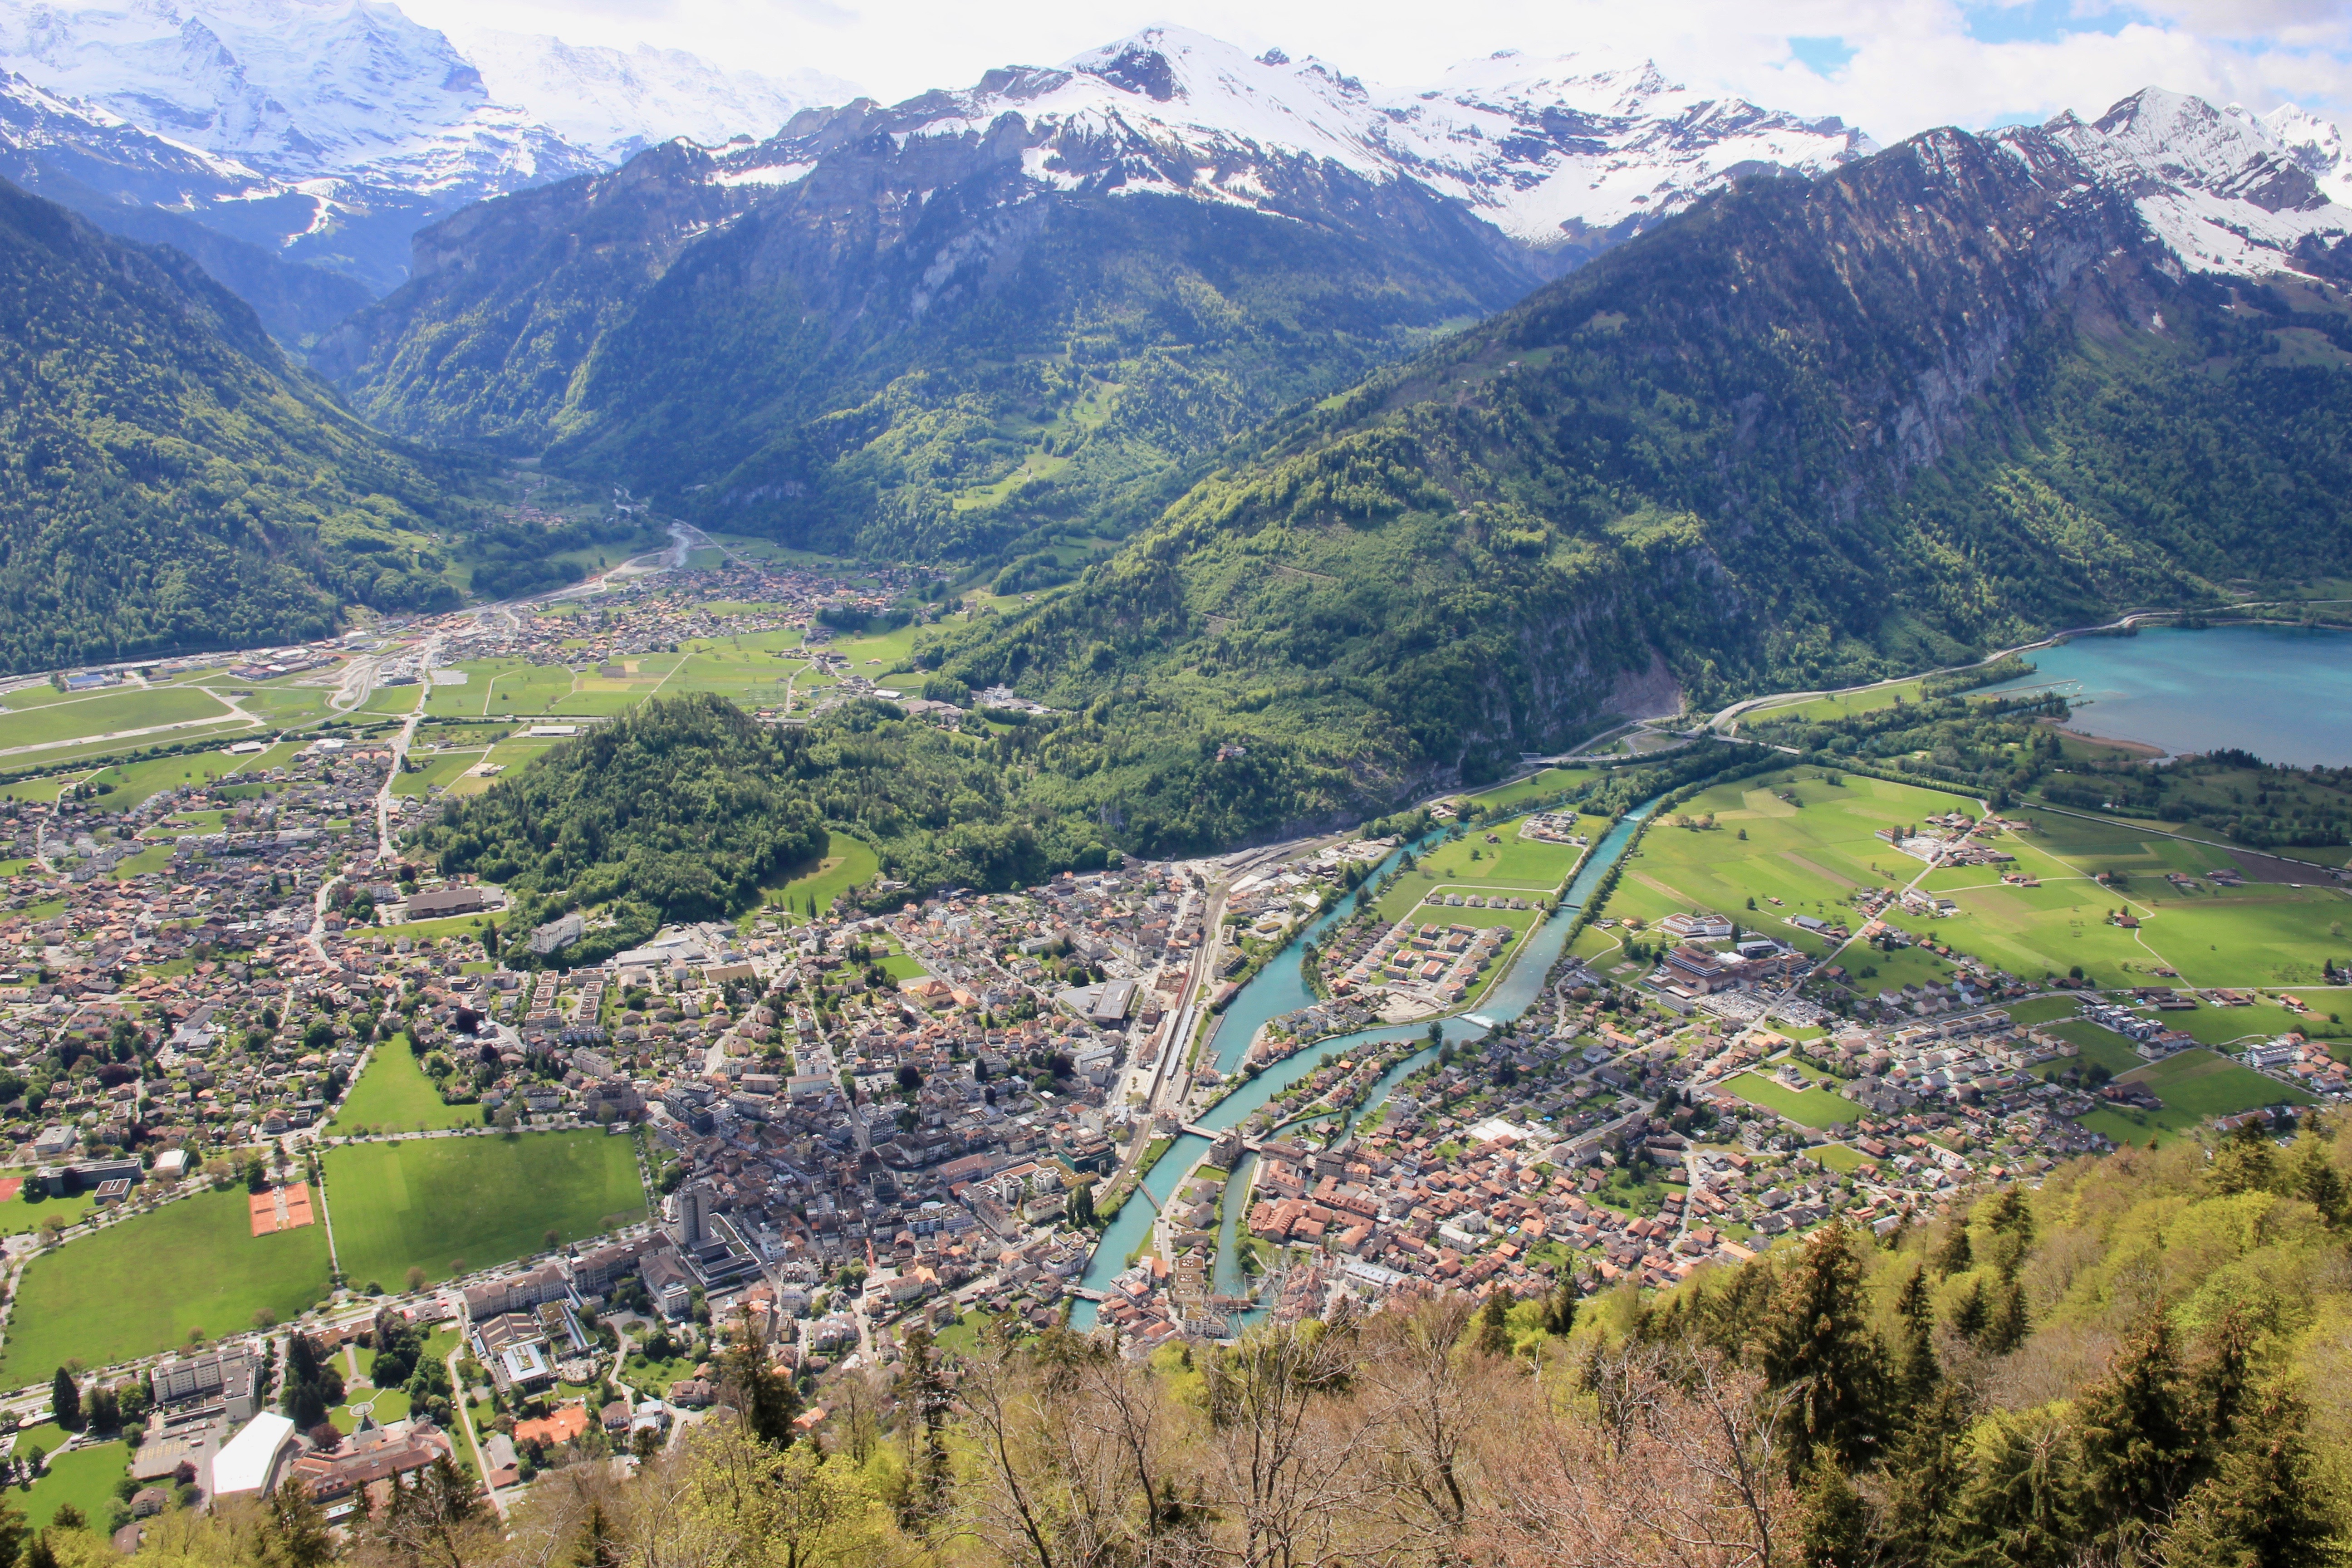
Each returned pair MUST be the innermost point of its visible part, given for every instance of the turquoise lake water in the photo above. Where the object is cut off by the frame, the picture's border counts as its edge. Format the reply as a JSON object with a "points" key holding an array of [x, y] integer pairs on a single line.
{"points": [[2282, 693]]}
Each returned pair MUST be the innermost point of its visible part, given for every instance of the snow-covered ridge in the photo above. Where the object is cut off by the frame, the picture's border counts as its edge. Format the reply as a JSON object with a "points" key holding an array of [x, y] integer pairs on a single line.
{"points": [[354, 90], [1550, 151], [2224, 190]]}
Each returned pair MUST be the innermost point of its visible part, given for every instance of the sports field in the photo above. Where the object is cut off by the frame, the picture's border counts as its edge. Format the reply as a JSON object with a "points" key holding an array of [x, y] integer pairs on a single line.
{"points": [[392, 1094], [448, 1205], [139, 1287]]}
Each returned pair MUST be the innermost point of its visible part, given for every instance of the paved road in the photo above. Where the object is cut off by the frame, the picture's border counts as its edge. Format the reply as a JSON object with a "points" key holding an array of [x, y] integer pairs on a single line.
{"points": [[385, 853]]}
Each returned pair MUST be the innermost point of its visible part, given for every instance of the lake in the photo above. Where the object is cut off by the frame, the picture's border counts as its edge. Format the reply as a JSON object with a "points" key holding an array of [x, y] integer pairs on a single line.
{"points": [[2282, 693]]}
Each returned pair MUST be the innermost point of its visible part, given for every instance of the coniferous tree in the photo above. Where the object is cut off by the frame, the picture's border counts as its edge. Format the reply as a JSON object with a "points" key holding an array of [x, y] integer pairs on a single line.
{"points": [[2222, 1382], [2005, 1329], [2264, 1508], [1560, 1308], [923, 1390], [65, 1402], [1834, 1528], [13, 1530], [600, 1545], [1916, 1371], [1954, 1255], [1821, 1346], [1733, 1314], [2023, 1504], [1495, 1326], [1969, 1318], [1925, 1470], [2314, 1179], [2138, 1441], [2245, 1161], [761, 1394], [292, 1532]]}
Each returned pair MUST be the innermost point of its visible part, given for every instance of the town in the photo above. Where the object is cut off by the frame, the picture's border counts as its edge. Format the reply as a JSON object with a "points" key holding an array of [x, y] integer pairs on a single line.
{"points": [[844, 1120]]}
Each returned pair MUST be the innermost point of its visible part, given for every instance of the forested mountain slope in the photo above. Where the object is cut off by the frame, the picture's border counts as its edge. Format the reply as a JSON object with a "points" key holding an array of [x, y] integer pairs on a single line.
{"points": [[912, 349], [167, 480], [1947, 398]]}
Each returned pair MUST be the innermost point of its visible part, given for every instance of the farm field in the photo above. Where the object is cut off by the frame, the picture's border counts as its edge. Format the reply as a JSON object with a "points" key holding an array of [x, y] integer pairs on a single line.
{"points": [[1551, 780], [139, 1287], [393, 1094], [513, 755], [75, 717], [1841, 705], [283, 705], [2203, 1084], [1814, 854], [442, 768], [449, 1204]]}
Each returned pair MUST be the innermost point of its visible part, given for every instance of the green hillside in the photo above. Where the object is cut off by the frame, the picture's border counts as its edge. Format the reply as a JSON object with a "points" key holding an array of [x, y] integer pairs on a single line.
{"points": [[167, 480], [1804, 434]]}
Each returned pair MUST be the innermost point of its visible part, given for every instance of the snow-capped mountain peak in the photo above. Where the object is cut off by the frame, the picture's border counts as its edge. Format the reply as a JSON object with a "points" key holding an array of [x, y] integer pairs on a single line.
{"points": [[2224, 190], [1564, 156]]}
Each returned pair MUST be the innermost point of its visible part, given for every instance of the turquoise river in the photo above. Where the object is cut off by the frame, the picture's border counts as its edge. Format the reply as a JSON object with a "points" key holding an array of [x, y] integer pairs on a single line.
{"points": [[1281, 987]]}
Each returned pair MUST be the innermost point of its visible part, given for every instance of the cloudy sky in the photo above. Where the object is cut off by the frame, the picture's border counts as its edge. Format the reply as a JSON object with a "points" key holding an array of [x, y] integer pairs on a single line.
{"points": [[1894, 67]]}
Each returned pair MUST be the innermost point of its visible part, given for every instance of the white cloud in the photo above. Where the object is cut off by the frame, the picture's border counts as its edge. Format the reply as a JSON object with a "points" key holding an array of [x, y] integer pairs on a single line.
{"points": [[1915, 62]]}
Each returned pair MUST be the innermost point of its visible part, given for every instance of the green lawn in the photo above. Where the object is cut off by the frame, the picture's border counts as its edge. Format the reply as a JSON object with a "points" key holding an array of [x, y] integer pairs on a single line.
{"points": [[28, 1208], [394, 1095], [442, 1203], [106, 713], [2098, 1046], [1835, 1156], [84, 1478], [1806, 1107], [139, 1287], [2203, 1084], [1517, 868], [848, 863]]}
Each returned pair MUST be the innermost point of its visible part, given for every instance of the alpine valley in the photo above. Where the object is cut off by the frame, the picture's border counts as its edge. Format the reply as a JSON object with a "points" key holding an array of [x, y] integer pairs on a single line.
{"points": [[1164, 812]]}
